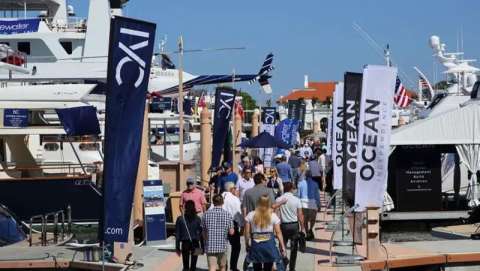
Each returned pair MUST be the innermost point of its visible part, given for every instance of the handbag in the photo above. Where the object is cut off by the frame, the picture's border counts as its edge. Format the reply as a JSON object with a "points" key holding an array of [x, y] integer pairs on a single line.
{"points": [[198, 250]]}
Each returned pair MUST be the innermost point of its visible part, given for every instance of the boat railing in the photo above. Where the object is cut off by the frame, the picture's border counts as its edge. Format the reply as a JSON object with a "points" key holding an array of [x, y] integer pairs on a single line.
{"points": [[69, 169], [61, 227], [72, 24]]}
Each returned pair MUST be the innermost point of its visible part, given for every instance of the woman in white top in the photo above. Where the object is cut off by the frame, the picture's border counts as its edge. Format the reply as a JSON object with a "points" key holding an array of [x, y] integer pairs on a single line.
{"points": [[262, 225]]}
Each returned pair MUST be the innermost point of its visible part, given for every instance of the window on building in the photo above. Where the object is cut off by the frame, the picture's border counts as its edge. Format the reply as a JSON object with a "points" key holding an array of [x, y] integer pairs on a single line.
{"points": [[24, 47], [67, 46]]}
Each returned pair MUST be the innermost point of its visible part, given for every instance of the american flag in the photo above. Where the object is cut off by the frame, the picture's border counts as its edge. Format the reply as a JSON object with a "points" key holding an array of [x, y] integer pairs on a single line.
{"points": [[423, 83], [401, 98], [201, 102]]}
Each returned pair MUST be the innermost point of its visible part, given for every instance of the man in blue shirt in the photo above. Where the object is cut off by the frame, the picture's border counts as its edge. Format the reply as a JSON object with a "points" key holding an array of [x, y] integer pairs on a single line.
{"points": [[310, 198], [227, 176], [284, 170]]}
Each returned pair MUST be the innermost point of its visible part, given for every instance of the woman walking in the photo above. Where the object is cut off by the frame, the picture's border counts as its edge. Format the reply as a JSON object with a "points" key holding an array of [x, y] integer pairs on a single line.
{"points": [[188, 235], [260, 230]]}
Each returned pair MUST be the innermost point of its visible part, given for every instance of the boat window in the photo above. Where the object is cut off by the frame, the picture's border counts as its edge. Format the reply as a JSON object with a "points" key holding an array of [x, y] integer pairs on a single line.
{"points": [[67, 46], [89, 146], [51, 146], [24, 47]]}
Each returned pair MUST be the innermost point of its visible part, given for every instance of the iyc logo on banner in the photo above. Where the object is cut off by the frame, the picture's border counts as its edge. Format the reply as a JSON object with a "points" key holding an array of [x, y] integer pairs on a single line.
{"points": [[225, 100], [269, 116], [131, 55]]}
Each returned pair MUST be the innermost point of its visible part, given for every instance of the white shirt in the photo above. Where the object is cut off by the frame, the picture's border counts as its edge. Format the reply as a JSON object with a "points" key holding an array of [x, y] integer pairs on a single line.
{"points": [[273, 221], [289, 210], [243, 185], [322, 161], [232, 205]]}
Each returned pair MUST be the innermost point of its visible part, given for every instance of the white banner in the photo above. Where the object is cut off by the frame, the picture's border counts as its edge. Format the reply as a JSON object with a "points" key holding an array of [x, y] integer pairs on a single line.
{"points": [[374, 131], [267, 157], [337, 142]]}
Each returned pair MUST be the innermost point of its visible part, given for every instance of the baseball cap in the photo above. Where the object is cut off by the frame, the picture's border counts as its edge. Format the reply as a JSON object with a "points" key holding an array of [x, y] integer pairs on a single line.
{"points": [[226, 165], [190, 180]]}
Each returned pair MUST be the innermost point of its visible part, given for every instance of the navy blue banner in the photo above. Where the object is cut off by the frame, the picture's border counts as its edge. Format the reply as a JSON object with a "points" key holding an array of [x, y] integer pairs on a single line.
{"points": [[130, 55], [78, 121], [224, 100], [351, 105], [18, 26], [15, 117], [268, 115], [154, 204]]}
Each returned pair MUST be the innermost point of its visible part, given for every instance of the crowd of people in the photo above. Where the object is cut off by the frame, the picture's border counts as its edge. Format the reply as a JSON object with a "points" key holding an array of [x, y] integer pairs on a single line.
{"points": [[269, 205]]}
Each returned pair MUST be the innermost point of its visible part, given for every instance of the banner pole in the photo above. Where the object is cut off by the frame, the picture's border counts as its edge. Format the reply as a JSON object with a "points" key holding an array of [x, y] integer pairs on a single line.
{"points": [[180, 112]]}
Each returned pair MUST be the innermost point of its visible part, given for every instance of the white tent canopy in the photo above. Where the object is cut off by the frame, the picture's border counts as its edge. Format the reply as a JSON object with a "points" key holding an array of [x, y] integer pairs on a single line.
{"points": [[457, 126], [460, 127]]}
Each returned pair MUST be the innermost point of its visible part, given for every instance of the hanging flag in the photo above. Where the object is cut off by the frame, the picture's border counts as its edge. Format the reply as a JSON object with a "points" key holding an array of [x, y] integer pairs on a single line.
{"points": [[374, 130], [201, 102], [227, 147], [425, 88], [79, 121], [282, 130], [401, 98], [130, 55], [239, 108], [268, 125], [296, 110], [337, 142], [351, 102], [224, 100]]}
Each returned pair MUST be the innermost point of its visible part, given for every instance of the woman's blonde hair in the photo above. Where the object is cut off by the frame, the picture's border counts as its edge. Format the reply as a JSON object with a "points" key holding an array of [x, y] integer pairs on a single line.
{"points": [[263, 212]]}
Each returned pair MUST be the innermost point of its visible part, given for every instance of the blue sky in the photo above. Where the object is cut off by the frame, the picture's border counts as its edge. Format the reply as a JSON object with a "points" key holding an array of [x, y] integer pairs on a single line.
{"points": [[309, 36]]}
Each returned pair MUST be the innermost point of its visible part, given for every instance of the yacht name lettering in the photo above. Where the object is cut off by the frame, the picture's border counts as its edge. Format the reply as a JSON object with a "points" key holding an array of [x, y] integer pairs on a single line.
{"points": [[370, 139], [14, 27], [131, 55]]}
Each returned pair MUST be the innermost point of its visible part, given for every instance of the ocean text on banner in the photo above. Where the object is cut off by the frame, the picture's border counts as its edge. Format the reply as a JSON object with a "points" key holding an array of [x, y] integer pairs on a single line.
{"points": [[130, 55], [374, 135], [337, 142], [351, 102]]}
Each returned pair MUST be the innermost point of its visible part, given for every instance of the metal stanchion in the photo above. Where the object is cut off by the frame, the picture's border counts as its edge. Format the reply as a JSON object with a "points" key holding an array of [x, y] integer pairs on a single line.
{"points": [[348, 259]]}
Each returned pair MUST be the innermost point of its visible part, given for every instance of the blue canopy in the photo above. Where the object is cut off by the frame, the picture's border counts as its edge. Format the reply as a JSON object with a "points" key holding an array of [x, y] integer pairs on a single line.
{"points": [[264, 140], [10, 230]]}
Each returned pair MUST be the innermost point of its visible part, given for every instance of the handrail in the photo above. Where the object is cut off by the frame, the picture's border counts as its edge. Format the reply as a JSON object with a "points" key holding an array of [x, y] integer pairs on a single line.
{"points": [[42, 236], [56, 232]]}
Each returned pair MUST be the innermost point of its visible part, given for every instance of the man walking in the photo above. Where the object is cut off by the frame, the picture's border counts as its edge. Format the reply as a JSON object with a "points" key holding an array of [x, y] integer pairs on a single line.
{"points": [[217, 224], [246, 182], [291, 217], [231, 204], [284, 170], [310, 198], [253, 194], [194, 194]]}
